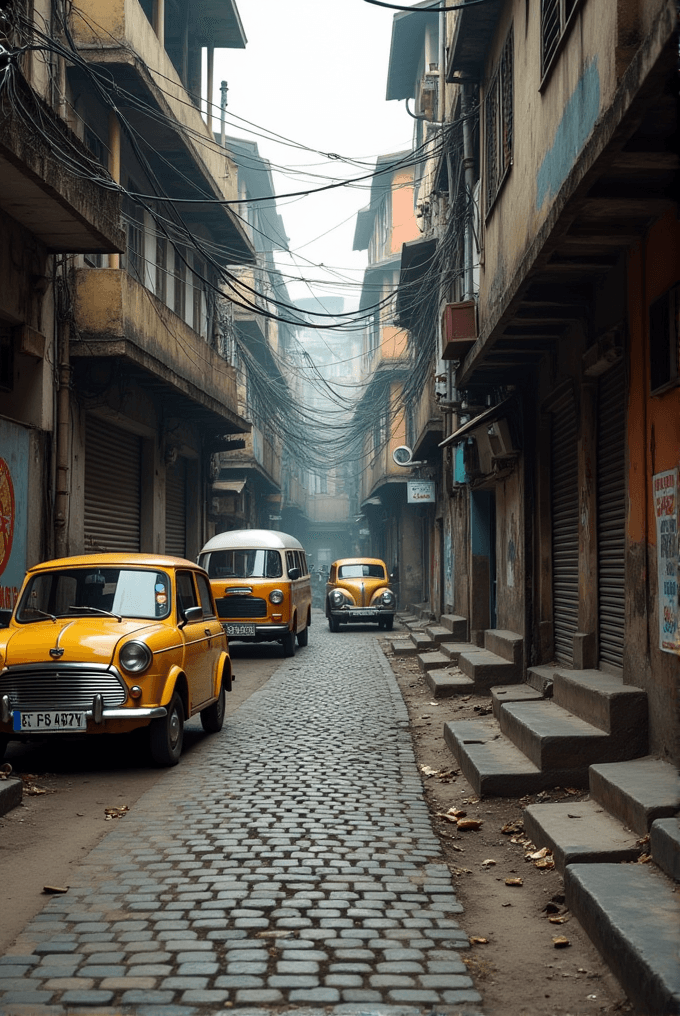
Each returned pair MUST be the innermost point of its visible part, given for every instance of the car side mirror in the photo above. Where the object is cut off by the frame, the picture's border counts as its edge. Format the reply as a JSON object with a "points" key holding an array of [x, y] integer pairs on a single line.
{"points": [[193, 614], [294, 573], [391, 578]]}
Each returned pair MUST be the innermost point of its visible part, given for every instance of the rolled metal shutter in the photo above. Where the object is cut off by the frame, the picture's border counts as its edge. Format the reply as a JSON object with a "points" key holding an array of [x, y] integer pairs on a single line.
{"points": [[564, 503], [113, 467], [611, 513], [175, 509]]}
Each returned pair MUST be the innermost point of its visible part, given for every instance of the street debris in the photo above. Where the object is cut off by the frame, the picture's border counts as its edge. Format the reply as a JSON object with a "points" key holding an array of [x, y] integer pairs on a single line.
{"points": [[55, 890], [478, 940], [274, 934], [469, 824], [512, 827], [5, 770], [111, 813], [514, 881], [542, 858], [489, 861], [561, 942]]}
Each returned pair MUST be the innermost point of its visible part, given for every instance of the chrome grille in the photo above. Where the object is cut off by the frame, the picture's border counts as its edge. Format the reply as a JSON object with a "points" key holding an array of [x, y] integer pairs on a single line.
{"points": [[241, 606], [61, 687]]}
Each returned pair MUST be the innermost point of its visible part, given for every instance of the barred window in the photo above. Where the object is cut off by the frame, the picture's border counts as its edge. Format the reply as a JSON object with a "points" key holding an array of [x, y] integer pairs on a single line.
{"points": [[162, 268], [498, 118], [664, 340], [555, 15]]}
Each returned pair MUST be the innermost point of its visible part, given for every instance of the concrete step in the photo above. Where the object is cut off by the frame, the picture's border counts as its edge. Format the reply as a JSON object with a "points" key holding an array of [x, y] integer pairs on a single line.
{"points": [[494, 766], [512, 693], [506, 644], [637, 791], [403, 647], [541, 678], [433, 661], [665, 845], [421, 641], [458, 626], [454, 649], [437, 633], [11, 793], [556, 739], [488, 668], [605, 701], [579, 832], [632, 916], [444, 684]]}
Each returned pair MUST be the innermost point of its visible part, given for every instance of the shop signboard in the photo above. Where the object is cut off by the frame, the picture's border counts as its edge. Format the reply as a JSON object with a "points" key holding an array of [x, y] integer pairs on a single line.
{"points": [[13, 510], [666, 514], [421, 491]]}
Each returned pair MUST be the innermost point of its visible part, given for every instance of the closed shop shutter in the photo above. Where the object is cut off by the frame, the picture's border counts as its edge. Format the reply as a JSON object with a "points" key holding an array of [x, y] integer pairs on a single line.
{"points": [[113, 467], [611, 513], [175, 509], [564, 504]]}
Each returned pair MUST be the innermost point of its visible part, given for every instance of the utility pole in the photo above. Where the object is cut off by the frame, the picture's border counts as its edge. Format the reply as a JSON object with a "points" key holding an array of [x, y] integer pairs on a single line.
{"points": [[224, 88]]}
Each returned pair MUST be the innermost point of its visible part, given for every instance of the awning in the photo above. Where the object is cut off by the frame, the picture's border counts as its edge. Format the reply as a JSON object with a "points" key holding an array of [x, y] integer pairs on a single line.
{"points": [[408, 40], [488, 416], [417, 259], [228, 486]]}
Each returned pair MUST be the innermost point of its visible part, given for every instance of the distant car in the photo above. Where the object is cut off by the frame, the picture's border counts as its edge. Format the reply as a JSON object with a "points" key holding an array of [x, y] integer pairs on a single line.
{"points": [[107, 643], [358, 590]]}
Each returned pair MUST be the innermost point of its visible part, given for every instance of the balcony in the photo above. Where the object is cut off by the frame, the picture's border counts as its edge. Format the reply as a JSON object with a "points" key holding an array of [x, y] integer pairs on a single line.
{"points": [[117, 317], [260, 456]]}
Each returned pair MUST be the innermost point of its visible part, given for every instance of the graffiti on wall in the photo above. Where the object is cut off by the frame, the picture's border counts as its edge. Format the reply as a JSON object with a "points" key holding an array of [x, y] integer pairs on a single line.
{"points": [[666, 514], [13, 510]]}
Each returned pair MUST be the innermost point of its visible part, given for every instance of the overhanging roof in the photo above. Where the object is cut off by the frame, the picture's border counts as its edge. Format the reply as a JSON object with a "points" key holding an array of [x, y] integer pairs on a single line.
{"points": [[471, 38], [217, 23], [488, 416], [228, 486], [406, 50], [416, 260]]}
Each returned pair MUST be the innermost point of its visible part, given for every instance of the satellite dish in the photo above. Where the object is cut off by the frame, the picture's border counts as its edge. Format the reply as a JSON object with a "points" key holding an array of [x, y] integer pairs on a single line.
{"points": [[403, 456]]}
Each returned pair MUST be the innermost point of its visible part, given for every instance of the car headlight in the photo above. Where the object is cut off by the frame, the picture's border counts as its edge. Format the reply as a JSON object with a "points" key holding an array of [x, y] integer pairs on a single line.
{"points": [[276, 596], [135, 657], [388, 598], [336, 597]]}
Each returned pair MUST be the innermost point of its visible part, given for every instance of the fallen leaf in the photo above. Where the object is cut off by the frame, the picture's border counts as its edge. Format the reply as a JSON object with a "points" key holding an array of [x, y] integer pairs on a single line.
{"points": [[545, 864], [561, 942], [512, 827], [54, 890], [644, 858], [543, 852], [478, 940], [572, 790], [468, 824], [489, 861], [274, 934], [456, 812], [111, 813], [514, 881], [34, 791], [449, 818], [562, 919]]}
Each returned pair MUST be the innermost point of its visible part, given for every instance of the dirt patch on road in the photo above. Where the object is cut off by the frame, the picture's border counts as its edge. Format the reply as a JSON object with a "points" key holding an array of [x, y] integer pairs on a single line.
{"points": [[514, 903]]}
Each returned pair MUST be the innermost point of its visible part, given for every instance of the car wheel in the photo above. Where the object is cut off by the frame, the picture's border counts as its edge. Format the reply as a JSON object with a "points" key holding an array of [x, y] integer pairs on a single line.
{"points": [[167, 734], [303, 636], [388, 623], [288, 643], [212, 717], [333, 624]]}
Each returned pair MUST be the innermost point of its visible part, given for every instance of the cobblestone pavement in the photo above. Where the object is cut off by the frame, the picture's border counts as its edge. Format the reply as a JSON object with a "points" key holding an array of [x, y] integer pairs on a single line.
{"points": [[287, 862]]}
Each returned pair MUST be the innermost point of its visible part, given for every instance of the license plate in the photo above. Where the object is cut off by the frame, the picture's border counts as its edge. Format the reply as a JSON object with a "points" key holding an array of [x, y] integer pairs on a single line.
{"points": [[50, 721], [239, 629], [364, 613]]}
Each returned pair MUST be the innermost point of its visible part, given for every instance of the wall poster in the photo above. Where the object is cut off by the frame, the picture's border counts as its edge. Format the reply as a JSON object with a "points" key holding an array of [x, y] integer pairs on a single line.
{"points": [[14, 447], [666, 514]]}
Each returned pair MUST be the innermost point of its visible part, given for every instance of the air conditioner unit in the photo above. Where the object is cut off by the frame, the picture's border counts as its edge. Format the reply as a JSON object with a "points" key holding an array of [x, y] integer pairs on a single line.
{"points": [[459, 329], [500, 440]]}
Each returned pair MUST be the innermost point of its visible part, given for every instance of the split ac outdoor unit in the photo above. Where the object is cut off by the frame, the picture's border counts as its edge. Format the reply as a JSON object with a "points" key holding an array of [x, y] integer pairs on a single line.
{"points": [[459, 329]]}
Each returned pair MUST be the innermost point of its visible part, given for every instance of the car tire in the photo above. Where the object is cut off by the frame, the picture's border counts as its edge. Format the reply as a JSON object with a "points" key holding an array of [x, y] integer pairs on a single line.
{"points": [[212, 717], [288, 643], [388, 623], [166, 735], [333, 624], [303, 636]]}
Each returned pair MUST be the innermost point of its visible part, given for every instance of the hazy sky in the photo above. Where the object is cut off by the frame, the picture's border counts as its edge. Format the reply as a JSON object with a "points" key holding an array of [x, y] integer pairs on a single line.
{"points": [[315, 72]]}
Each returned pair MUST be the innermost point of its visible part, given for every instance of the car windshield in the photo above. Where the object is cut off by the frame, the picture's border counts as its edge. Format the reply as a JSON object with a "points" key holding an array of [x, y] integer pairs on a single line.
{"points": [[243, 564], [360, 571], [94, 592]]}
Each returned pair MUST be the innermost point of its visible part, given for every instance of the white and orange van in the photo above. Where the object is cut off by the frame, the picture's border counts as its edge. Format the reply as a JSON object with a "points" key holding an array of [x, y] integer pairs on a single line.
{"points": [[261, 584]]}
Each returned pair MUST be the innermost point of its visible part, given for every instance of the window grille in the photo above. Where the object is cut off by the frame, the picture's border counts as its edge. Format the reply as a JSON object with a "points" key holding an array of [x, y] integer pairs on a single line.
{"points": [[498, 116], [664, 340], [162, 268], [180, 273], [555, 15], [197, 306], [134, 227]]}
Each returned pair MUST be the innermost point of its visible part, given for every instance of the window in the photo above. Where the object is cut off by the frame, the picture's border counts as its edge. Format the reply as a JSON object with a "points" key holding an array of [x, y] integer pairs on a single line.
{"points": [[197, 308], [555, 16], [186, 594], [664, 339], [180, 282], [6, 359], [134, 227], [498, 111], [162, 268], [205, 596]]}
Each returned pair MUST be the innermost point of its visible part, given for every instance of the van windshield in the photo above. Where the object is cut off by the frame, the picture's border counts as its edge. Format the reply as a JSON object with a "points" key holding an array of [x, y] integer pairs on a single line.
{"points": [[243, 564]]}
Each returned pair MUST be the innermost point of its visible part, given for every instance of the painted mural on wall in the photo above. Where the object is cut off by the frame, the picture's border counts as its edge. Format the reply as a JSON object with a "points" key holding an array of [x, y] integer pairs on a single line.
{"points": [[13, 510], [668, 559]]}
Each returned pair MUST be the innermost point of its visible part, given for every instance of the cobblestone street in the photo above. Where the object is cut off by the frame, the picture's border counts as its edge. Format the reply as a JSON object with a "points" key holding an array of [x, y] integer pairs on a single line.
{"points": [[288, 861]]}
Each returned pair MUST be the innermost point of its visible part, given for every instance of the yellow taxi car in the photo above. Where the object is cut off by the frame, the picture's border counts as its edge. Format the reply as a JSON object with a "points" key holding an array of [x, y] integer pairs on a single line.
{"points": [[107, 643], [261, 584], [358, 590]]}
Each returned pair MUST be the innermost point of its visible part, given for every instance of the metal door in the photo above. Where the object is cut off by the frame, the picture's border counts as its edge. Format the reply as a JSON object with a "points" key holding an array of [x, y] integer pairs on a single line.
{"points": [[611, 514], [564, 505], [176, 509], [113, 465]]}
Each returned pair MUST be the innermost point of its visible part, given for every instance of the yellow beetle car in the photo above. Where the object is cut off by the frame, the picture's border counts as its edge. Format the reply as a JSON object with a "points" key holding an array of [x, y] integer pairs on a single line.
{"points": [[107, 643], [358, 590]]}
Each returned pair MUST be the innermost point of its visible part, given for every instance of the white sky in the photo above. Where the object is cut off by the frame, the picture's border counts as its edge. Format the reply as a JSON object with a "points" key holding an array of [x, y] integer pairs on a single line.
{"points": [[315, 71]]}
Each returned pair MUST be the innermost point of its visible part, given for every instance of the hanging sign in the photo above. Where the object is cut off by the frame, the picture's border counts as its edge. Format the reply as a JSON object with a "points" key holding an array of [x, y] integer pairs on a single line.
{"points": [[419, 491], [666, 514]]}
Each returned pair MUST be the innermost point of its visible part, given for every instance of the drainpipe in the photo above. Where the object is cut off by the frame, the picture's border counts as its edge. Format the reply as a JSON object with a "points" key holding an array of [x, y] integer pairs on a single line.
{"points": [[159, 21], [62, 492], [114, 166], [211, 81], [469, 170], [224, 88]]}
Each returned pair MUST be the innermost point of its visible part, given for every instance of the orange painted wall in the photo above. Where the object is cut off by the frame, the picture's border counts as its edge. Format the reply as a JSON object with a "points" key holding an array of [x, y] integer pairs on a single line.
{"points": [[653, 422], [392, 342], [404, 225]]}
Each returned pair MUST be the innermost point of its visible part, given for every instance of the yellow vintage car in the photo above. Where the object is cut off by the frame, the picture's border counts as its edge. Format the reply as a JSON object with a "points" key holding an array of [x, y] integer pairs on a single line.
{"points": [[358, 590], [107, 643]]}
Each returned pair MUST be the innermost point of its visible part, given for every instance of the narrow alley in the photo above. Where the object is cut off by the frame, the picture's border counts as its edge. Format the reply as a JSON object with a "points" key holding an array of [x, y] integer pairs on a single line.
{"points": [[289, 861]]}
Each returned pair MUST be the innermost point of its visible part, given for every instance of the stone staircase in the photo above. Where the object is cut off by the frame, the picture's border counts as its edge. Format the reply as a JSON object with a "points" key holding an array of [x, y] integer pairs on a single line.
{"points": [[477, 668], [630, 911]]}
